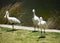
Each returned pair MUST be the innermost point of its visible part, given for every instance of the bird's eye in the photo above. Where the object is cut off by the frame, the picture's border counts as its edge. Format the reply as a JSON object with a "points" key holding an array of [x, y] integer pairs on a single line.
{"points": [[33, 10]]}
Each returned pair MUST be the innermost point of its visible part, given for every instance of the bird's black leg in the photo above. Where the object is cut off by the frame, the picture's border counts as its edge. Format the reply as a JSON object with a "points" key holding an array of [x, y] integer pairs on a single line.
{"points": [[12, 26], [34, 28], [44, 30], [38, 28], [41, 31]]}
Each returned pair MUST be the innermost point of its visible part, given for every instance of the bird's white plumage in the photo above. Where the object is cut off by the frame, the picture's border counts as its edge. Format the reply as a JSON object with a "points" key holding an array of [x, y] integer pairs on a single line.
{"points": [[42, 21], [6, 15], [35, 18], [33, 10], [11, 19]]}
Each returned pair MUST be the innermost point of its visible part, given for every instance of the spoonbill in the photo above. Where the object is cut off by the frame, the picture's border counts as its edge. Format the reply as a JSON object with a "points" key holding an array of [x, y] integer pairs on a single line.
{"points": [[42, 24], [12, 20], [35, 19]]}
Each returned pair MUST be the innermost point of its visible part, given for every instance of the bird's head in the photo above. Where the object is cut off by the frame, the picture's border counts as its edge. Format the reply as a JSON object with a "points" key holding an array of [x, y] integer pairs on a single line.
{"points": [[41, 18], [33, 10], [6, 15]]}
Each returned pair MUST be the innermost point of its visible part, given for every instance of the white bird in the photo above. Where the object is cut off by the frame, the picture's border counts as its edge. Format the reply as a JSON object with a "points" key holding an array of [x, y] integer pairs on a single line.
{"points": [[35, 20], [12, 20], [42, 24]]}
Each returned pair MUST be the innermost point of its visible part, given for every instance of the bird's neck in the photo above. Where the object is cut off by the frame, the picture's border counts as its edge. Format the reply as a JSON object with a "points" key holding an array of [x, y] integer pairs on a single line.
{"points": [[7, 16], [40, 20], [34, 14]]}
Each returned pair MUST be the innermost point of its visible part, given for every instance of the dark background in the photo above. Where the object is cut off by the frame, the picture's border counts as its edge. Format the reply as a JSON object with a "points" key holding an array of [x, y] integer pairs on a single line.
{"points": [[22, 9]]}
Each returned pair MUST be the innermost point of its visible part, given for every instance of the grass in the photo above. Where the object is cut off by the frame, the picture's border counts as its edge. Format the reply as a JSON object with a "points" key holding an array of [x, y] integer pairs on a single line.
{"points": [[26, 36]]}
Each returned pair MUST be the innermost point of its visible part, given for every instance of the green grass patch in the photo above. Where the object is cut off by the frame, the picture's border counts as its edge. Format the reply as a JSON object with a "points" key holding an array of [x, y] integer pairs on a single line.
{"points": [[27, 36]]}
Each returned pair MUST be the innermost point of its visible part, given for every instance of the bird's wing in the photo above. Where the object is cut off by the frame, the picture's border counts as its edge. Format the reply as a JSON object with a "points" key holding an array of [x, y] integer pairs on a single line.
{"points": [[43, 22], [14, 20], [36, 18]]}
